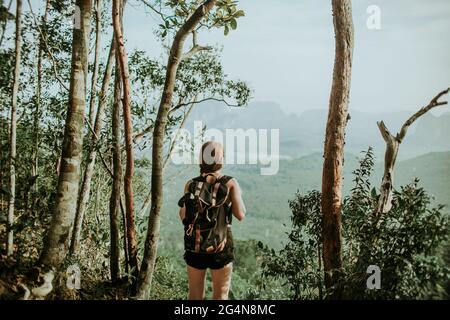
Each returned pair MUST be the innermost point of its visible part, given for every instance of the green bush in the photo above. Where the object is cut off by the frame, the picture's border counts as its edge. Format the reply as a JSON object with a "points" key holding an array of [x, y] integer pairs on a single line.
{"points": [[406, 246]]}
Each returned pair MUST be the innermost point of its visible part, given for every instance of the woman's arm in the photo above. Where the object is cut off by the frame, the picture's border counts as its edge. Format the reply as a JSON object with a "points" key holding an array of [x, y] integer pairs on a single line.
{"points": [[237, 204], [182, 212]]}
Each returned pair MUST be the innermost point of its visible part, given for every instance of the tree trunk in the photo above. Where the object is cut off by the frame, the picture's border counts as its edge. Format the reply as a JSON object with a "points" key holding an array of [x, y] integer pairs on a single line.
{"points": [[13, 130], [58, 237], [89, 172], [114, 202], [38, 101], [128, 126], [334, 145], [98, 32], [175, 57]]}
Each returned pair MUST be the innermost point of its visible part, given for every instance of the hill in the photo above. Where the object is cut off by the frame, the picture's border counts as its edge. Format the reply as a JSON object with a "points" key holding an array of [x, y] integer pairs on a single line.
{"points": [[266, 197]]}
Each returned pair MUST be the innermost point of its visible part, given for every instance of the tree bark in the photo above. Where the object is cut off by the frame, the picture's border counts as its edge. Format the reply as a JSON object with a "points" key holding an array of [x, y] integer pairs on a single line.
{"points": [[85, 189], [128, 126], [392, 145], [98, 32], [13, 131], [334, 145], [175, 57], [58, 237], [114, 202], [37, 110]]}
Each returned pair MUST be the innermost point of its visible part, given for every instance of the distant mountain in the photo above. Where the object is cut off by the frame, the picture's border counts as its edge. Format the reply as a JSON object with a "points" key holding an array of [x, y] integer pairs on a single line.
{"points": [[304, 134]]}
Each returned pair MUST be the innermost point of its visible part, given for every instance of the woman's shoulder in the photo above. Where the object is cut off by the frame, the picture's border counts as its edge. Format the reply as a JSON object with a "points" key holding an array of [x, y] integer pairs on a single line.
{"points": [[230, 181]]}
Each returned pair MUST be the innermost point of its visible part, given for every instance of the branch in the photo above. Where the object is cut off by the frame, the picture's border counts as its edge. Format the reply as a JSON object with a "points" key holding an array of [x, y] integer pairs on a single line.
{"points": [[195, 48], [433, 103], [158, 12], [387, 136], [98, 149], [180, 105], [392, 146], [140, 135], [183, 122], [148, 199], [47, 47]]}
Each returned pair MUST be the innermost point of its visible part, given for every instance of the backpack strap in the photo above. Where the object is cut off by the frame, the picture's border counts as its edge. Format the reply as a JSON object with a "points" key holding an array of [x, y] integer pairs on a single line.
{"points": [[225, 179], [214, 194]]}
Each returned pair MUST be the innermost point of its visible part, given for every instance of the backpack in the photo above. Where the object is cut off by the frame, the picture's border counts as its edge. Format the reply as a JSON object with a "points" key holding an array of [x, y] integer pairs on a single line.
{"points": [[208, 214]]}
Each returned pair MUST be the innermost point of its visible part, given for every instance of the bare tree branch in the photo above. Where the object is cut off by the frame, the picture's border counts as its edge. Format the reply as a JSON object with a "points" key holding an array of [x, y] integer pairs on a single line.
{"points": [[180, 105], [392, 147], [433, 103]]}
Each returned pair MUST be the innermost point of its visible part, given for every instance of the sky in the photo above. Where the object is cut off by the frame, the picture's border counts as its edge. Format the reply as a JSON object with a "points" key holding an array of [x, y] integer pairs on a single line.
{"points": [[284, 50]]}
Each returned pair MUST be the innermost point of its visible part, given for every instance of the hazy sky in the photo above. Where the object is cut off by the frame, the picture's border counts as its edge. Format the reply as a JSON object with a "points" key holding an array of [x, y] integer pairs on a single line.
{"points": [[285, 50]]}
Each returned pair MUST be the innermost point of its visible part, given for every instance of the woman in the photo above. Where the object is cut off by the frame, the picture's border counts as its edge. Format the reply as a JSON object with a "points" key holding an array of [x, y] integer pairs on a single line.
{"points": [[220, 262]]}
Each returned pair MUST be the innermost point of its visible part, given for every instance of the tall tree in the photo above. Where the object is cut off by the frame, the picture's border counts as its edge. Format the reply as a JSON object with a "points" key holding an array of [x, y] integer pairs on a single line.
{"points": [[175, 57], [57, 240], [98, 33], [37, 110], [94, 135], [114, 202], [334, 144], [122, 59], [13, 130]]}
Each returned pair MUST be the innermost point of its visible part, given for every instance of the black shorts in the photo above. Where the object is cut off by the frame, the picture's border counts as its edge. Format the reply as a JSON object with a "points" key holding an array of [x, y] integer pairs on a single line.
{"points": [[212, 260]]}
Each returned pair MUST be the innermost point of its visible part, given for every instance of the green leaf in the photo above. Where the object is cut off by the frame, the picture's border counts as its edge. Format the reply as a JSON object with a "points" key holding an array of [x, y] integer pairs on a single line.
{"points": [[373, 192], [239, 13], [233, 24], [226, 31]]}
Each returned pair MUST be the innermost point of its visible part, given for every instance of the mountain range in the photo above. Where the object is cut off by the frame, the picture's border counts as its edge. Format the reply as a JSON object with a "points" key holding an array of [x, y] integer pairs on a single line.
{"points": [[303, 134]]}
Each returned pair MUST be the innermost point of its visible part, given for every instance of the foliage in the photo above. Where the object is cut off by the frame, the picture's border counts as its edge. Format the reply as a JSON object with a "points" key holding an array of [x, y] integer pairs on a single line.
{"points": [[405, 246], [175, 12]]}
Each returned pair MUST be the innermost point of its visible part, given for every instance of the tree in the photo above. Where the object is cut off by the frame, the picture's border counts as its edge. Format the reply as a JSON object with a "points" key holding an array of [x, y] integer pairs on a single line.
{"points": [[114, 202], [57, 239], [390, 157], [37, 110], [13, 129], [334, 143], [95, 131]]}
